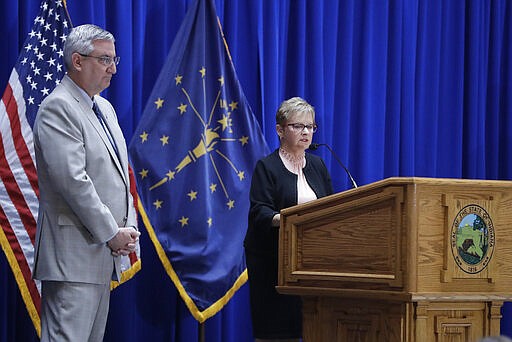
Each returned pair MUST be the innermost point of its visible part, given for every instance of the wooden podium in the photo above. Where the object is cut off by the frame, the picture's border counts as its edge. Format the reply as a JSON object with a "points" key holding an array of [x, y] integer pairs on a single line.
{"points": [[402, 259]]}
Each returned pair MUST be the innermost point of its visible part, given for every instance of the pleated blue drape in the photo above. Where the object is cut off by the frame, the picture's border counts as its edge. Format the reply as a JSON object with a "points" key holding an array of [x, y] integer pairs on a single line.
{"points": [[401, 88]]}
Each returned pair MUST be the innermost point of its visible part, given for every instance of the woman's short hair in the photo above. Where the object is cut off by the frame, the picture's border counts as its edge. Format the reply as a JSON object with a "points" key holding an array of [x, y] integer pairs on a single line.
{"points": [[293, 105], [81, 39]]}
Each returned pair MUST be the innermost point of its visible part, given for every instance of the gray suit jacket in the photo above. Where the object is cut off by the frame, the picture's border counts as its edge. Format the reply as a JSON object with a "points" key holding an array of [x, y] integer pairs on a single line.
{"points": [[84, 188]]}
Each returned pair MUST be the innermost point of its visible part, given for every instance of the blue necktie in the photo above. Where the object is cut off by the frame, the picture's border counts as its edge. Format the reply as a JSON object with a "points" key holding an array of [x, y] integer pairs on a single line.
{"points": [[103, 124]]}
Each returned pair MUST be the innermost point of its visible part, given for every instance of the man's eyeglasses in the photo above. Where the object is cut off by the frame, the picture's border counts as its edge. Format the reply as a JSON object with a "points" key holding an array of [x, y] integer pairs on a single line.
{"points": [[105, 60], [299, 128]]}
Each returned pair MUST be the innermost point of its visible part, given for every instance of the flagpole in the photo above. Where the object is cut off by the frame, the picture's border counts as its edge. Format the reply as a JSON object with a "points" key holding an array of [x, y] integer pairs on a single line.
{"points": [[200, 334]]}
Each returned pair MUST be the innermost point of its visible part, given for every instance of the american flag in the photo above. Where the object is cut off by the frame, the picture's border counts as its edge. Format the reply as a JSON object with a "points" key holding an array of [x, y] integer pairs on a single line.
{"points": [[39, 69]]}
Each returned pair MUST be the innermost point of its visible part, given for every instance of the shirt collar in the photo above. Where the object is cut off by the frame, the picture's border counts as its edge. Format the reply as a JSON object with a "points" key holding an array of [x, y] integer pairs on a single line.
{"points": [[82, 92]]}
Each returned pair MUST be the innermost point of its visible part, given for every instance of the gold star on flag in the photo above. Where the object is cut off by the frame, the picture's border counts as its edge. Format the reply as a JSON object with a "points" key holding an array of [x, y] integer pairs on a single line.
{"points": [[231, 204], [164, 139], [144, 136], [178, 79], [182, 108], [203, 72], [241, 175], [209, 221], [158, 204], [183, 220], [144, 173], [192, 194], [170, 174], [159, 103], [244, 140], [221, 80], [225, 122], [213, 187], [233, 105]]}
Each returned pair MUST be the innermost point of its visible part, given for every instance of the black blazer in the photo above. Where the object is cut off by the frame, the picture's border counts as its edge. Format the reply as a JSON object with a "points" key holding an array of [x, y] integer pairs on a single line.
{"points": [[273, 188]]}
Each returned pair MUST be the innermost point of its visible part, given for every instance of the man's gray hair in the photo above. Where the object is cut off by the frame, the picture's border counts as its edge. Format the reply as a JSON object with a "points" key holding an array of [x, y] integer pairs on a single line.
{"points": [[80, 40], [293, 105]]}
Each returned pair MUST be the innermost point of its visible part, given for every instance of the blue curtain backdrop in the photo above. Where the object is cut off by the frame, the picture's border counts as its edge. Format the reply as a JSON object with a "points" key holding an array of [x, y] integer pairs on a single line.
{"points": [[401, 88]]}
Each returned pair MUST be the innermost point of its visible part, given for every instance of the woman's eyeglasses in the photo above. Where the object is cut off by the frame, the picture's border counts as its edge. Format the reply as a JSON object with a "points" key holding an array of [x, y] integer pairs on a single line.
{"points": [[299, 127]]}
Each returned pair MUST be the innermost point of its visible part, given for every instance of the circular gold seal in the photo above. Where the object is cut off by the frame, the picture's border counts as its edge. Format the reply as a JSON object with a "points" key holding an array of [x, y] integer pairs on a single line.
{"points": [[472, 239]]}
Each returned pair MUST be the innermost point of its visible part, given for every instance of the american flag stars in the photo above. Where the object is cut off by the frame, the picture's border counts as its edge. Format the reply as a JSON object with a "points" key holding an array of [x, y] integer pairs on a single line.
{"points": [[43, 45]]}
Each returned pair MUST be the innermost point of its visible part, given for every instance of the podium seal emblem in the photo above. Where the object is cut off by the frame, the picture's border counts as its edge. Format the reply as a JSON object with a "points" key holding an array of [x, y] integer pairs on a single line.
{"points": [[472, 239]]}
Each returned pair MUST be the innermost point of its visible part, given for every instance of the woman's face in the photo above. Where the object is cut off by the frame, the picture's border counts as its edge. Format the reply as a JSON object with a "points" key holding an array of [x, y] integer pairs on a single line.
{"points": [[293, 138]]}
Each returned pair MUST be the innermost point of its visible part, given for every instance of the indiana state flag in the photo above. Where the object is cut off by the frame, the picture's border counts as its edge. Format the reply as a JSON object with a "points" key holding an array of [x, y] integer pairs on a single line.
{"points": [[193, 153]]}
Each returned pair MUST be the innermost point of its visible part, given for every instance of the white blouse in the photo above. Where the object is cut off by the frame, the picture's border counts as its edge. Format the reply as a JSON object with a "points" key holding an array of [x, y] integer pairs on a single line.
{"points": [[295, 165]]}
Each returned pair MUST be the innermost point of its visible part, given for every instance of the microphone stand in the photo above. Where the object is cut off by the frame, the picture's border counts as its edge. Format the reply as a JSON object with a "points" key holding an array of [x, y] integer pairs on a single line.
{"points": [[315, 146]]}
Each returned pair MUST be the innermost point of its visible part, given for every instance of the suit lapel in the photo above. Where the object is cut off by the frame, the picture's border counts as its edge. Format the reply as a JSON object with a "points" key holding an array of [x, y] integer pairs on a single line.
{"points": [[91, 116], [93, 120], [117, 135]]}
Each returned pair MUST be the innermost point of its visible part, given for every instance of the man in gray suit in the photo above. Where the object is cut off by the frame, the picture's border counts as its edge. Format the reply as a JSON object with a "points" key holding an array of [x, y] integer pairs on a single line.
{"points": [[86, 215]]}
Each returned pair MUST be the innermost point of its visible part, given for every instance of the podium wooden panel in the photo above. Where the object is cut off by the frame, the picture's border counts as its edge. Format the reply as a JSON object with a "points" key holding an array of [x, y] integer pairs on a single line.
{"points": [[396, 260]]}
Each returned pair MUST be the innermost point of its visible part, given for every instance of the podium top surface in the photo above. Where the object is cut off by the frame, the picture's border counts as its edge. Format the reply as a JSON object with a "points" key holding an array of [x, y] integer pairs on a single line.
{"points": [[502, 185], [437, 181]]}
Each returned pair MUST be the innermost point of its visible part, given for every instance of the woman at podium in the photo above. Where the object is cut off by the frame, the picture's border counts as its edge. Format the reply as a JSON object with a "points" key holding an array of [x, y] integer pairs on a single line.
{"points": [[286, 177]]}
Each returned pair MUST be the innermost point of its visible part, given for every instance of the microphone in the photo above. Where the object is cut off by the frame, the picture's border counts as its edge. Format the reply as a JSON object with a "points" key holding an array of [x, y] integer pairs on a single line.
{"points": [[315, 146]]}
